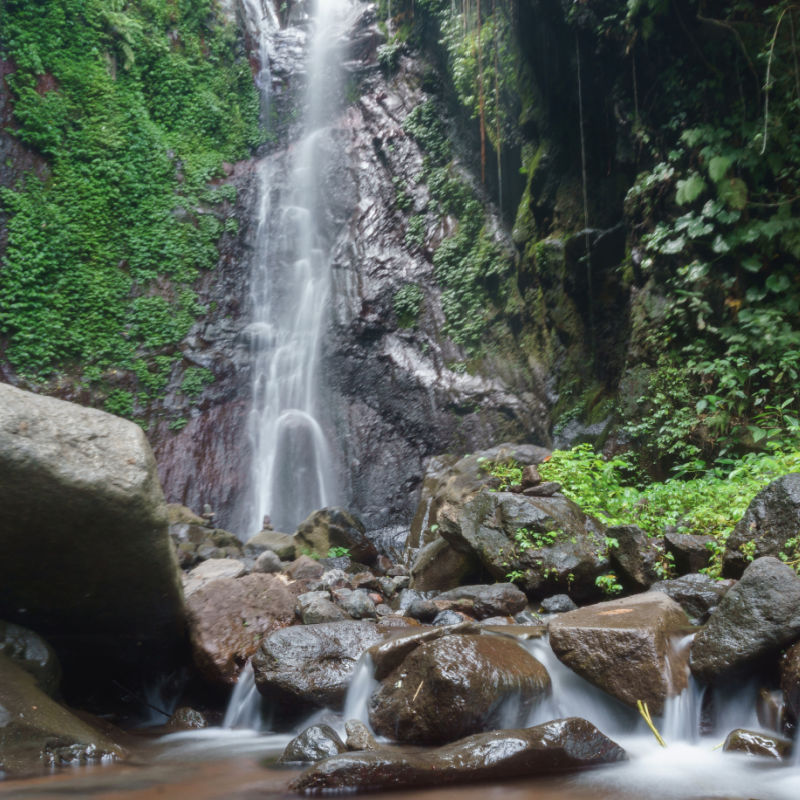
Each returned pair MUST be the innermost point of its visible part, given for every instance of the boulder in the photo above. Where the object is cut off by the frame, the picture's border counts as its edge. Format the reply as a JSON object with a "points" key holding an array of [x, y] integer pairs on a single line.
{"points": [[482, 601], [268, 561], [558, 604], [187, 719], [697, 594], [625, 647], [335, 527], [29, 651], [36, 733], [452, 482], [559, 746], [755, 743], [546, 543], [771, 520], [317, 607], [635, 557], [313, 744], [356, 603], [311, 665], [690, 552], [85, 555], [280, 543], [439, 566], [211, 570], [359, 736], [455, 686], [790, 679], [756, 618], [304, 568], [229, 617]]}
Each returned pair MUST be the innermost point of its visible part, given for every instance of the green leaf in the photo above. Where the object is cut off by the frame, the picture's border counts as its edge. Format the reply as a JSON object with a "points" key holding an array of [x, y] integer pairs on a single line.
{"points": [[751, 264], [718, 168], [733, 193], [689, 189], [720, 245], [778, 283]]}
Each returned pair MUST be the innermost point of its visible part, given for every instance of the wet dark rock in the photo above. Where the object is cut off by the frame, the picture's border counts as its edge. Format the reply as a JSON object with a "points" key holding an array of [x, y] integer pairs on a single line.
{"points": [[268, 561], [690, 552], [697, 594], [311, 665], [757, 616], [499, 599], [331, 579], [635, 558], [312, 745], [211, 570], [422, 609], [317, 607], [558, 604], [771, 709], [365, 580], [383, 610], [549, 541], [359, 736], [335, 527], [397, 571], [450, 617], [280, 543], [37, 733], [771, 519], [530, 476], [304, 568], [756, 743], [457, 685], [438, 565], [790, 679], [229, 617], [187, 719], [357, 603], [546, 489], [557, 746], [625, 647], [388, 655], [29, 651], [80, 487]]}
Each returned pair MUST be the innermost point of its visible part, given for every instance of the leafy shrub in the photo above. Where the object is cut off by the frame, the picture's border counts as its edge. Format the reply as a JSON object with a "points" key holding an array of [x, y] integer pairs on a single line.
{"points": [[407, 304]]}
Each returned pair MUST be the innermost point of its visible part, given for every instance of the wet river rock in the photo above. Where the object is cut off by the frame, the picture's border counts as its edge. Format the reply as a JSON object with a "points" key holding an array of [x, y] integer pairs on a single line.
{"points": [[37, 733], [757, 617], [310, 666], [480, 602], [625, 647], [228, 618], [757, 743], [557, 746], [313, 744], [790, 679], [455, 686]]}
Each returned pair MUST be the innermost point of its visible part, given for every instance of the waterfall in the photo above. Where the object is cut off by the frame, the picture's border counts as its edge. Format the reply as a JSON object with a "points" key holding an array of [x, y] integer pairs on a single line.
{"points": [[291, 472]]}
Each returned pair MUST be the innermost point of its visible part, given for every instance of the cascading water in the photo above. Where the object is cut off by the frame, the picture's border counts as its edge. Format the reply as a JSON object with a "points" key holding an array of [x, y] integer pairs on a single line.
{"points": [[291, 471]]}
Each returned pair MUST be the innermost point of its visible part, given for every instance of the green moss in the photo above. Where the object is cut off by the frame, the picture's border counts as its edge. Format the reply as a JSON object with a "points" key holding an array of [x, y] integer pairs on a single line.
{"points": [[407, 305], [135, 106]]}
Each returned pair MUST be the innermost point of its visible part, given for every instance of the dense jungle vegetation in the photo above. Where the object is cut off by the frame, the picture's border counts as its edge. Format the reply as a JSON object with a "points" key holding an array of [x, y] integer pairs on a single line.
{"points": [[135, 106]]}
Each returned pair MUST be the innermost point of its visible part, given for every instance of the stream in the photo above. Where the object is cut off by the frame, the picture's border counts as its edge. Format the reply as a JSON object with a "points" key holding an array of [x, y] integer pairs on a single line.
{"points": [[239, 761]]}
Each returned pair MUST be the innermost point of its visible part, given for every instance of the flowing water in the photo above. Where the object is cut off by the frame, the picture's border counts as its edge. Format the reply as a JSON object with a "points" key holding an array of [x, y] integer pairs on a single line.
{"points": [[228, 763], [292, 471]]}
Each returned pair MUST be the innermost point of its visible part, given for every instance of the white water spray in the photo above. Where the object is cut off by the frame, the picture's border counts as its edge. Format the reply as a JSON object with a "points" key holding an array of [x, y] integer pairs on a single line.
{"points": [[291, 472]]}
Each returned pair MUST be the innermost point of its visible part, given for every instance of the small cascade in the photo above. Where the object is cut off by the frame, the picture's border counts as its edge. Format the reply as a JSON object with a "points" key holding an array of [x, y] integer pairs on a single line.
{"points": [[245, 707], [362, 685], [292, 470]]}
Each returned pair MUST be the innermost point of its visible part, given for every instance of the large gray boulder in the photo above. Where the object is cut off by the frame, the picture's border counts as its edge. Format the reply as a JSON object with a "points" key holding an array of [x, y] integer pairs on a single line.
{"points": [[559, 746], [697, 594], [85, 556], [756, 618], [455, 686], [771, 519], [626, 647], [547, 544], [29, 651], [36, 733], [310, 666]]}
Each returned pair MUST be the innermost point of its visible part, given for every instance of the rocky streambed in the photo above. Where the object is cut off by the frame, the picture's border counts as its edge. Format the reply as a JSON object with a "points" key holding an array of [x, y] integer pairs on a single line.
{"points": [[370, 663]]}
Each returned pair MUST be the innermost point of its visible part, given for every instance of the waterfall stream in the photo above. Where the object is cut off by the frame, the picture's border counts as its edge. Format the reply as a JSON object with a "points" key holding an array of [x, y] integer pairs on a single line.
{"points": [[291, 473]]}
